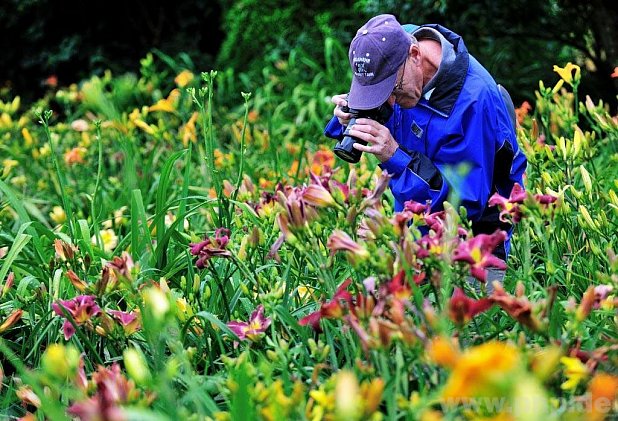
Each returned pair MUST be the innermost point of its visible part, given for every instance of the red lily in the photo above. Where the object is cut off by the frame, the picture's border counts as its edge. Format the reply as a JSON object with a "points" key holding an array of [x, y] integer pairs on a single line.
{"points": [[518, 307], [463, 308], [398, 287], [211, 247], [329, 310]]}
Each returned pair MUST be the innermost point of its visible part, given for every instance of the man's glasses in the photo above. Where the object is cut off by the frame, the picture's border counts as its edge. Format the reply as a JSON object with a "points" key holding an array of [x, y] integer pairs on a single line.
{"points": [[399, 85]]}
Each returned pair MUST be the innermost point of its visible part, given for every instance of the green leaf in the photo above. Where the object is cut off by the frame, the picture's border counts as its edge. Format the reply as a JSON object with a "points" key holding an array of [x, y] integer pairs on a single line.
{"points": [[215, 320], [140, 232], [20, 242]]}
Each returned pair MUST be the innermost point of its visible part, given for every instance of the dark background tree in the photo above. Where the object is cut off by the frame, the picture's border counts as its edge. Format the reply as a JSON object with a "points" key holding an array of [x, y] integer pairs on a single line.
{"points": [[72, 39], [519, 41]]}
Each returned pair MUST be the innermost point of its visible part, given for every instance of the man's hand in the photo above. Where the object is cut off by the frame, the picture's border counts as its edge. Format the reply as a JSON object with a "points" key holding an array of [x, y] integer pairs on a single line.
{"points": [[379, 140], [341, 101]]}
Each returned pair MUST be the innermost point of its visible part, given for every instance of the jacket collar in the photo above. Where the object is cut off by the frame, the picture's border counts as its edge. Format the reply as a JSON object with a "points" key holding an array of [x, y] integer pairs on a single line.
{"points": [[449, 81]]}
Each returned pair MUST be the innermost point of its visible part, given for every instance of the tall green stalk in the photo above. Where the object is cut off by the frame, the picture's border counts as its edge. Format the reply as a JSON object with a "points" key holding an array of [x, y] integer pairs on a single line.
{"points": [[93, 213], [246, 97], [66, 204]]}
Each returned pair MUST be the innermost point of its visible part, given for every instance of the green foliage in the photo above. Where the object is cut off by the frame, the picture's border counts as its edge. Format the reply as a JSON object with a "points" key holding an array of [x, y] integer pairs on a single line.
{"points": [[262, 31]]}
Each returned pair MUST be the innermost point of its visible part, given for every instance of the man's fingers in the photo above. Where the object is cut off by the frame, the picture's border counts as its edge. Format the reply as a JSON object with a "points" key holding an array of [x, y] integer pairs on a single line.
{"points": [[361, 134], [339, 100], [366, 132], [370, 126], [362, 148]]}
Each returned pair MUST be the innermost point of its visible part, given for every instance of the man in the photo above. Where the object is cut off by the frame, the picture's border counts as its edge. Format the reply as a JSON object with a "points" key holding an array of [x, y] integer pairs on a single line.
{"points": [[447, 111]]}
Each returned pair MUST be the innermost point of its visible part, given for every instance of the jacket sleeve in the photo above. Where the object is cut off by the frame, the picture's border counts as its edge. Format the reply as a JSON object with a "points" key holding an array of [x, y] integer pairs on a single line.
{"points": [[334, 129], [415, 177], [462, 162]]}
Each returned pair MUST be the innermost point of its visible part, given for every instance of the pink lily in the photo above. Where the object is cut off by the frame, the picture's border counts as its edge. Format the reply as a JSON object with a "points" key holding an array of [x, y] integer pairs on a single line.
{"points": [[81, 308], [510, 207], [415, 207], [339, 240], [435, 221], [122, 265], [296, 213], [601, 292], [253, 329], [317, 195], [129, 321], [112, 390], [478, 253]]}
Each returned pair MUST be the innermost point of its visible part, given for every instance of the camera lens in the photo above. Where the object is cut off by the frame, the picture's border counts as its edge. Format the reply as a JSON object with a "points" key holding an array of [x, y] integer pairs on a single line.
{"points": [[344, 149]]}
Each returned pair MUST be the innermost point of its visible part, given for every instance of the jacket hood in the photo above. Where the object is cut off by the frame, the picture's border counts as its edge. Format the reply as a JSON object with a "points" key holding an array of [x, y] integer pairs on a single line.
{"points": [[449, 82]]}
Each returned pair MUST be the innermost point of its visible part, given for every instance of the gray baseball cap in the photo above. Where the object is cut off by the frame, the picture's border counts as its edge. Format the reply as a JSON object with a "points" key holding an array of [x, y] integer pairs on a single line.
{"points": [[377, 51]]}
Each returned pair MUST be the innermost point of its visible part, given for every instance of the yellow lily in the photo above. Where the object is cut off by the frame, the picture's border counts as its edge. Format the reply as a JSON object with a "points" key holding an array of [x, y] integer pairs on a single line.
{"points": [[27, 137], [575, 371], [8, 165], [566, 73], [184, 78], [168, 104], [477, 369]]}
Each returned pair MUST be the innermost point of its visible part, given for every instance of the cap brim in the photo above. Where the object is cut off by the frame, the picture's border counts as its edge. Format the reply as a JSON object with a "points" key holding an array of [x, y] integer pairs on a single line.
{"points": [[370, 96]]}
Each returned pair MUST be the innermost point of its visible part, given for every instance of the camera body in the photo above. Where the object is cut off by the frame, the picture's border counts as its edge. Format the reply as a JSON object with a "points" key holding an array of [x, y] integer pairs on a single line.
{"points": [[344, 149]]}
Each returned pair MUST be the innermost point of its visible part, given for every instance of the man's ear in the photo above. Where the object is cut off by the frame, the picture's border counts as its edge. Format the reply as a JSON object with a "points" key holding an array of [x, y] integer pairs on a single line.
{"points": [[415, 54]]}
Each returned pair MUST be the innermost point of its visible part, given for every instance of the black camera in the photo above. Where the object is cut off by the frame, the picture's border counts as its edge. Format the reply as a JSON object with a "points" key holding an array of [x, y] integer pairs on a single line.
{"points": [[344, 149]]}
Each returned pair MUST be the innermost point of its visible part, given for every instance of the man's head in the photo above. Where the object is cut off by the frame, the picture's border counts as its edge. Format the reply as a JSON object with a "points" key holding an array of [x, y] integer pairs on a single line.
{"points": [[377, 52]]}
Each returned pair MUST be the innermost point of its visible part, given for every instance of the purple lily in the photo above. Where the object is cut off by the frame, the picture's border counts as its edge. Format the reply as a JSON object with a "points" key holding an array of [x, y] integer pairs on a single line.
{"points": [[211, 247]]}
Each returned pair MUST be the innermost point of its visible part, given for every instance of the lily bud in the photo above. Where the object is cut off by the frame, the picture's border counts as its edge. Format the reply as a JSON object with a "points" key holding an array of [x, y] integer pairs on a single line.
{"points": [[586, 178], [578, 139], [316, 195], [13, 318], [136, 365], [156, 301], [60, 361], [347, 397]]}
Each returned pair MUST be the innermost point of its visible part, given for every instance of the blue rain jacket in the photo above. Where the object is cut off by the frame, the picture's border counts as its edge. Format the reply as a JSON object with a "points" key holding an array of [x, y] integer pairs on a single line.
{"points": [[464, 121]]}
